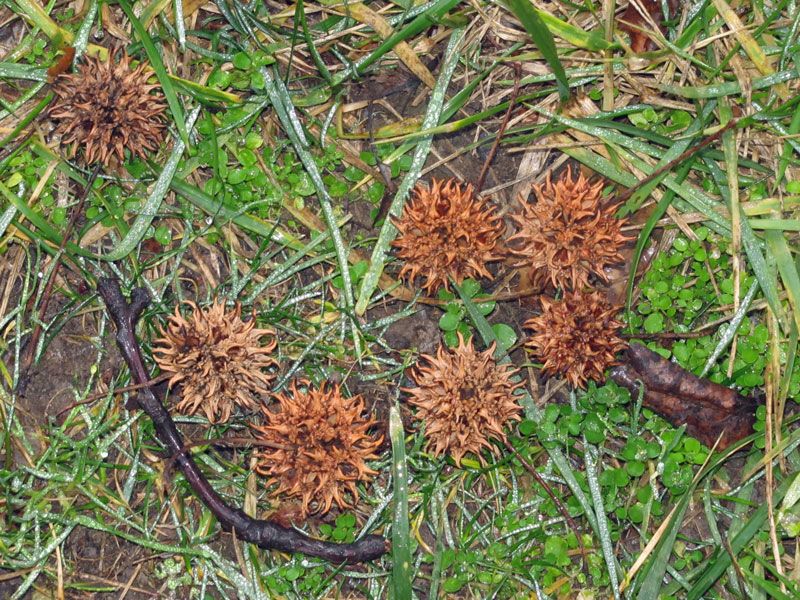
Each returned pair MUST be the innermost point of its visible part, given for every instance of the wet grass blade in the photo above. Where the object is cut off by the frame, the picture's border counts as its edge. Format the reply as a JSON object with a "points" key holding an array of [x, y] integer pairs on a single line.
{"points": [[782, 254], [721, 559], [290, 120], [139, 228], [160, 70], [401, 543], [543, 39], [389, 231]]}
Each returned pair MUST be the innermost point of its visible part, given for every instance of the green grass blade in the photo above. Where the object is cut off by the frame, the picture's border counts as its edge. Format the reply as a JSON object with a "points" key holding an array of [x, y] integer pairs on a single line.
{"points": [[782, 254], [721, 559], [765, 275], [16, 71], [401, 537], [603, 530], [731, 88], [160, 70], [6, 218], [46, 230], [726, 339], [151, 206], [34, 12], [588, 40], [652, 575], [427, 19], [287, 115], [389, 231], [203, 93], [180, 28], [214, 208], [543, 39]]}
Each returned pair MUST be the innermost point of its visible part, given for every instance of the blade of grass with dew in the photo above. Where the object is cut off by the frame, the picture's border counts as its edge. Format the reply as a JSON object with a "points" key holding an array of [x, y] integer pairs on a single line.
{"points": [[720, 560], [6, 218], [389, 231], [794, 129], [402, 49], [791, 357], [287, 268], [46, 230], [603, 530], [422, 22], [148, 212], [34, 13], [81, 41], [766, 276], [29, 72], [160, 70], [214, 208], [531, 411], [180, 27], [540, 35], [287, 115], [730, 332], [731, 88], [401, 546], [782, 254]]}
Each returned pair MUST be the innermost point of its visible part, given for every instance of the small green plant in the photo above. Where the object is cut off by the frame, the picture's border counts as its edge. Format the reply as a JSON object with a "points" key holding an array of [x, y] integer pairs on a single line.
{"points": [[455, 319]]}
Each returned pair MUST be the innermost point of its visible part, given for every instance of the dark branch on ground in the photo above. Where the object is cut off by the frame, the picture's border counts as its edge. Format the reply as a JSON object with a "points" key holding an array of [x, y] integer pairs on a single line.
{"points": [[266, 534]]}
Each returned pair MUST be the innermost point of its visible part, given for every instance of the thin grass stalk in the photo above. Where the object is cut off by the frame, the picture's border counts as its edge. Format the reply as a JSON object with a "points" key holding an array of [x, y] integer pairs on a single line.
{"points": [[150, 208], [401, 546], [603, 532], [730, 332], [389, 231], [287, 115]]}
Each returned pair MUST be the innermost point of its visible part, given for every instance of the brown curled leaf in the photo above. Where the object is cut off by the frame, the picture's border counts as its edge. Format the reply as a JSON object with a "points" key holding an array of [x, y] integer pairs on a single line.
{"points": [[709, 410], [666, 376], [62, 65]]}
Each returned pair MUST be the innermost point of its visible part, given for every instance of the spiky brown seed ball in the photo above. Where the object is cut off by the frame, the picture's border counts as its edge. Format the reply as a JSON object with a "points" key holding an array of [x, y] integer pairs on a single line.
{"points": [[465, 399], [218, 358], [447, 232], [567, 234], [316, 446], [577, 336], [105, 107]]}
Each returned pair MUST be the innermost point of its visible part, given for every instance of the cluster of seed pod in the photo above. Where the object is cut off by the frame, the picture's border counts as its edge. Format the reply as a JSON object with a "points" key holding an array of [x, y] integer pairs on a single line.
{"points": [[562, 242]]}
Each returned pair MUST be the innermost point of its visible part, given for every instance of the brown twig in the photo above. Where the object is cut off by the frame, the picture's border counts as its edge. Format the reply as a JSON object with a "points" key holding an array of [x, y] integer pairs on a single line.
{"points": [[119, 390], [266, 534], [511, 102], [666, 335], [625, 196], [29, 351]]}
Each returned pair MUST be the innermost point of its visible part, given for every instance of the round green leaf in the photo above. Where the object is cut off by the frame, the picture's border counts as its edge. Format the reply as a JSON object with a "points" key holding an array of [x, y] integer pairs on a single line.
{"points": [[449, 321], [506, 336]]}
